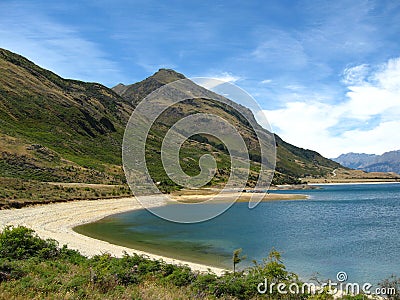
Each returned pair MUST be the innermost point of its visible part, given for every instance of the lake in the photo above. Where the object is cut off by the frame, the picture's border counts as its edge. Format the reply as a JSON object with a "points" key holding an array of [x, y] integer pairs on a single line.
{"points": [[353, 228]]}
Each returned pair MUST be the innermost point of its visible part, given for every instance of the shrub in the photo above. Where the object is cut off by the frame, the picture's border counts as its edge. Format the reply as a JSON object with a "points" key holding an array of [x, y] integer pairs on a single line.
{"points": [[22, 243], [100, 272], [73, 256], [182, 276], [167, 269], [9, 271], [205, 283], [231, 284]]}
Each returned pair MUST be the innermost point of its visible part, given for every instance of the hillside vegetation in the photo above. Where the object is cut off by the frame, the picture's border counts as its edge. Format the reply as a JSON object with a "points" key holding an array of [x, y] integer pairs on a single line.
{"points": [[292, 162], [60, 130]]}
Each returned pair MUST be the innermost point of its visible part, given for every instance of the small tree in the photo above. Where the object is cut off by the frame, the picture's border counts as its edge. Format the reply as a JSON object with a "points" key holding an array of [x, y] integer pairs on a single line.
{"points": [[237, 258]]}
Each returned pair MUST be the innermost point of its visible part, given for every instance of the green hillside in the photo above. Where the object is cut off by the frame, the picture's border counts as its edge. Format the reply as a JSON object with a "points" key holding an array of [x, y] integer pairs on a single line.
{"points": [[55, 129], [292, 162], [61, 130]]}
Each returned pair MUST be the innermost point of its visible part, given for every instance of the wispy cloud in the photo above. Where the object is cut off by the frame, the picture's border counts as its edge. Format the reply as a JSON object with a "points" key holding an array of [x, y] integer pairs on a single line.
{"points": [[368, 117], [266, 81], [314, 64], [225, 76], [355, 75], [314, 53], [215, 80], [53, 45], [280, 48], [348, 33]]}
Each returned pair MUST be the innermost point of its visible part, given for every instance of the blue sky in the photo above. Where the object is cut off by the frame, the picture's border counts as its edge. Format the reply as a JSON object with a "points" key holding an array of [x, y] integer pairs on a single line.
{"points": [[327, 73]]}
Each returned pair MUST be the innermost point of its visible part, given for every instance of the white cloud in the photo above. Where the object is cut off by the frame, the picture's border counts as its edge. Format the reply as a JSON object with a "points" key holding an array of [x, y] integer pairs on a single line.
{"points": [[372, 103], [294, 87], [383, 138], [211, 82], [266, 81], [226, 77], [376, 94], [389, 75], [355, 75], [367, 100]]}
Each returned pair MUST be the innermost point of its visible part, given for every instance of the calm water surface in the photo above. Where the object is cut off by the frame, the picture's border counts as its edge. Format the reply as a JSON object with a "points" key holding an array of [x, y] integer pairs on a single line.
{"points": [[352, 228]]}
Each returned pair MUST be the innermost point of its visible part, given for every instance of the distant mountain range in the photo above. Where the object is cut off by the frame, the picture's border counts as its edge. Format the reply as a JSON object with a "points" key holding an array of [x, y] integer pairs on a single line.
{"points": [[387, 162]]}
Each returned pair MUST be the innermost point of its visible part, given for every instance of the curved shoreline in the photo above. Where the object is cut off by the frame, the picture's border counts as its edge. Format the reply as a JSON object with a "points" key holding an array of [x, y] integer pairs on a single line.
{"points": [[57, 220]]}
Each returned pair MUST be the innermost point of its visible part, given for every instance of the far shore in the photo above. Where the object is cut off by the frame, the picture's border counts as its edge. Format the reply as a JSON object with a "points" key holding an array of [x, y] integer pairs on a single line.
{"points": [[198, 196], [355, 182], [57, 220]]}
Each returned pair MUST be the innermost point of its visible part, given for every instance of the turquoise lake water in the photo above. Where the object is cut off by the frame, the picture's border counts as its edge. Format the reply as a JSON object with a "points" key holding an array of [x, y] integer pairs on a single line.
{"points": [[352, 228]]}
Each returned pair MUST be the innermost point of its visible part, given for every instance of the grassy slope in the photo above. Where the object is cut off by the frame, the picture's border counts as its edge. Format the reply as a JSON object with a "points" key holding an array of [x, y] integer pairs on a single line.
{"points": [[66, 130], [53, 129], [292, 162], [76, 124]]}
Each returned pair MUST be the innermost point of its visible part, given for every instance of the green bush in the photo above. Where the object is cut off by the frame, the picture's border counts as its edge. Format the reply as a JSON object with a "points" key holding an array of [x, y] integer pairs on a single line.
{"points": [[22, 243], [167, 269], [182, 276], [205, 284], [72, 256], [231, 284]]}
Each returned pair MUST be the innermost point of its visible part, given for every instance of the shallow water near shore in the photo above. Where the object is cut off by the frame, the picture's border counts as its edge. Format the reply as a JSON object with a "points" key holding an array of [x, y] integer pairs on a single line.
{"points": [[341, 228]]}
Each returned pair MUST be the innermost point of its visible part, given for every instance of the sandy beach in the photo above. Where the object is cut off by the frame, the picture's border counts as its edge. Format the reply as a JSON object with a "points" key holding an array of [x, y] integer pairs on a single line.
{"points": [[57, 220]]}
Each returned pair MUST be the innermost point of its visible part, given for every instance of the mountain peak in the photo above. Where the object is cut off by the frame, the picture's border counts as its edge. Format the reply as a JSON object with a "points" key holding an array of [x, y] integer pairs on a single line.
{"points": [[137, 91], [120, 88], [166, 76]]}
